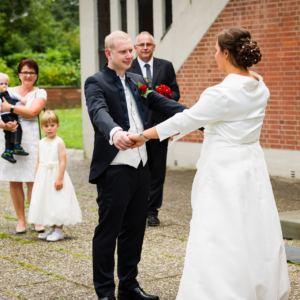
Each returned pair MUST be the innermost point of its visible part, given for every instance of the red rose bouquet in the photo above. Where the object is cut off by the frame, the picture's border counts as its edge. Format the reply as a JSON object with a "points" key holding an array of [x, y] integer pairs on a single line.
{"points": [[164, 90]]}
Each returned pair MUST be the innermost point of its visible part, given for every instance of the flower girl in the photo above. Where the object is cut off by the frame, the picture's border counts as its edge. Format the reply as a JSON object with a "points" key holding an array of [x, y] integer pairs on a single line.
{"points": [[53, 202]]}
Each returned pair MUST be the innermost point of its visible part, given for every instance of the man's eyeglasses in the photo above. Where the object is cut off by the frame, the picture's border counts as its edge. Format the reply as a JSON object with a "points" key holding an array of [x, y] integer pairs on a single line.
{"points": [[148, 45], [28, 73]]}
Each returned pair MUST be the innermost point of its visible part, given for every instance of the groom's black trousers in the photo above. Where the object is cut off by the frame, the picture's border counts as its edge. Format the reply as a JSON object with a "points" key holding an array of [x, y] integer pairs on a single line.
{"points": [[122, 200]]}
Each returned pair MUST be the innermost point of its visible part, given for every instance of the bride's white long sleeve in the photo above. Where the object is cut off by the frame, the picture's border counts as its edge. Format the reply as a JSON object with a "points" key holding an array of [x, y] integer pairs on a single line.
{"points": [[211, 108]]}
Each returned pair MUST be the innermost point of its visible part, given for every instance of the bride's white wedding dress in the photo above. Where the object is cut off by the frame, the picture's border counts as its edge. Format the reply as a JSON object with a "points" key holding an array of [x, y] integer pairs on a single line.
{"points": [[235, 249]]}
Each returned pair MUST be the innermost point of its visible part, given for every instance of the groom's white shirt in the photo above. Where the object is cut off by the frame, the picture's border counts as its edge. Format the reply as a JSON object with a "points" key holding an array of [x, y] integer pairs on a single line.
{"points": [[130, 157]]}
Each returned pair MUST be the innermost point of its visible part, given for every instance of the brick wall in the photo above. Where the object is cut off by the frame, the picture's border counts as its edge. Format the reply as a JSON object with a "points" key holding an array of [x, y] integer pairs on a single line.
{"points": [[59, 97], [275, 25]]}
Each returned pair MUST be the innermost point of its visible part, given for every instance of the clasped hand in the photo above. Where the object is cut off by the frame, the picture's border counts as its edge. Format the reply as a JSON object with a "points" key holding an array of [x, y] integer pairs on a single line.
{"points": [[124, 140], [5, 106], [10, 126]]}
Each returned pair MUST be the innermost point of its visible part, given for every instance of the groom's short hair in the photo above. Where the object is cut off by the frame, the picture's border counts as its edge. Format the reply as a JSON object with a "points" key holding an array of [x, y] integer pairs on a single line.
{"points": [[110, 39]]}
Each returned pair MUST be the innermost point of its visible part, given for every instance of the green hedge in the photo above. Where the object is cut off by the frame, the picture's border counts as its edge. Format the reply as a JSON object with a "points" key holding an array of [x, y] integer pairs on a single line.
{"points": [[56, 67]]}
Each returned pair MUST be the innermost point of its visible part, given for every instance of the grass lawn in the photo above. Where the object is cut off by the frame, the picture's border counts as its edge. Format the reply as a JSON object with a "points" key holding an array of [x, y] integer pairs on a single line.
{"points": [[70, 129]]}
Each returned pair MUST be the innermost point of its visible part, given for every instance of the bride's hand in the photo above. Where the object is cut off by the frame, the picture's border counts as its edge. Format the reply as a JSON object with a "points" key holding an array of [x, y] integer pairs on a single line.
{"points": [[137, 140]]}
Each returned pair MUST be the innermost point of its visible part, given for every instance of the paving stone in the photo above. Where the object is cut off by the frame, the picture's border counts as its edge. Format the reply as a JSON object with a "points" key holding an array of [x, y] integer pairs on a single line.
{"points": [[290, 224], [54, 289], [20, 277], [292, 254], [5, 296]]}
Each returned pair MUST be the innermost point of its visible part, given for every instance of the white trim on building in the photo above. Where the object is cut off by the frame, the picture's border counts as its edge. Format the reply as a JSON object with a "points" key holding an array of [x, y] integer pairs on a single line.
{"points": [[283, 163]]}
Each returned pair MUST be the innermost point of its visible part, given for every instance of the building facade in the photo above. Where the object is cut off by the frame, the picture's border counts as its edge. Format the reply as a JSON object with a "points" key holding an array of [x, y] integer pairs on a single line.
{"points": [[185, 33]]}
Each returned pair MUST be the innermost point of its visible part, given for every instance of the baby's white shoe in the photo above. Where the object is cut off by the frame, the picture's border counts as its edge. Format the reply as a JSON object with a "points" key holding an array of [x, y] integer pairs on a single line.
{"points": [[55, 237], [43, 236]]}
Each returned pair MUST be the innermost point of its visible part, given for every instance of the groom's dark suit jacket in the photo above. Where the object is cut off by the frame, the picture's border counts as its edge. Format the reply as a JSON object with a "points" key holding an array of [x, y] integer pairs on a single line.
{"points": [[163, 73], [107, 108]]}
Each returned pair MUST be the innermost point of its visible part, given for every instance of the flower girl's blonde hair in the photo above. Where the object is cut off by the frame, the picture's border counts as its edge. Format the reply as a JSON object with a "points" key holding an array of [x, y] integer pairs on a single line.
{"points": [[49, 117]]}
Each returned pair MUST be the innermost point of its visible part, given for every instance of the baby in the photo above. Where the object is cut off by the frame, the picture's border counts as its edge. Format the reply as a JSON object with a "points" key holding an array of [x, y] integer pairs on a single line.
{"points": [[12, 139]]}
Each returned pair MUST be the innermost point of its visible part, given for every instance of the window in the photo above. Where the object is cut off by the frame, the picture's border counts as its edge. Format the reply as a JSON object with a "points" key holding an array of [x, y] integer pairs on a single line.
{"points": [[103, 29], [169, 15], [123, 15], [145, 15]]}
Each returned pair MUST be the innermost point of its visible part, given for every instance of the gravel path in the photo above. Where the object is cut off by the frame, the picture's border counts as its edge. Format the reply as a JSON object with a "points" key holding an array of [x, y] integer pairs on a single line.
{"points": [[35, 269]]}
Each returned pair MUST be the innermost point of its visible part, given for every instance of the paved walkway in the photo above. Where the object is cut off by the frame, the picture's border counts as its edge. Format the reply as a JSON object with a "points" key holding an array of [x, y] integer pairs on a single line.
{"points": [[35, 269]]}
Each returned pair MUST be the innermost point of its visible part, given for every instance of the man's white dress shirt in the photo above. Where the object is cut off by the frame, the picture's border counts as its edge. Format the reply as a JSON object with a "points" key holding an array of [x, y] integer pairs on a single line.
{"points": [[144, 69], [131, 157]]}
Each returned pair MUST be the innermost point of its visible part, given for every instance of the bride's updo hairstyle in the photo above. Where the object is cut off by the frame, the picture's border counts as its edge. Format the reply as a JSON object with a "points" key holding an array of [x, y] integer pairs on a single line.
{"points": [[244, 52]]}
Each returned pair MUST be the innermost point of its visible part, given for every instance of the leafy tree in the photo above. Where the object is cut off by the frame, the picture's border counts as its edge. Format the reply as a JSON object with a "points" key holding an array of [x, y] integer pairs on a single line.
{"points": [[46, 31], [35, 25], [27, 26], [66, 12]]}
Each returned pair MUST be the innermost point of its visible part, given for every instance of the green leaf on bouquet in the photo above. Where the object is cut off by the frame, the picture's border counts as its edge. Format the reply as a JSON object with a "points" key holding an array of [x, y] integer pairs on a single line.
{"points": [[145, 95]]}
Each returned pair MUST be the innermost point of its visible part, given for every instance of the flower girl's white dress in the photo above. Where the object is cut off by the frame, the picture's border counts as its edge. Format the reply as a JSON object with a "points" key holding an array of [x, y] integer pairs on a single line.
{"points": [[235, 249], [49, 206]]}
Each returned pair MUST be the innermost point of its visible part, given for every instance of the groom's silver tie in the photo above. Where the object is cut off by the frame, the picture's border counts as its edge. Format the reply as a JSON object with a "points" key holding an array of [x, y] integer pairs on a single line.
{"points": [[148, 73]]}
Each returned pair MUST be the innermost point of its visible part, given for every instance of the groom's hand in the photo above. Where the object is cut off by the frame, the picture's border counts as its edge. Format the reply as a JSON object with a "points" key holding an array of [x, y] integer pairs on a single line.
{"points": [[121, 140], [137, 140]]}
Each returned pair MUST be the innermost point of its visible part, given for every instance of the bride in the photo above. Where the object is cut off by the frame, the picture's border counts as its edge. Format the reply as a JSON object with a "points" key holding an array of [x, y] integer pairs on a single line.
{"points": [[235, 249]]}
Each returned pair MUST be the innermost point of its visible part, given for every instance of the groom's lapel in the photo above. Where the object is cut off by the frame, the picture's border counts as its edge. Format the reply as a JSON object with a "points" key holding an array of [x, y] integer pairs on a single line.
{"points": [[135, 91], [118, 83], [156, 70]]}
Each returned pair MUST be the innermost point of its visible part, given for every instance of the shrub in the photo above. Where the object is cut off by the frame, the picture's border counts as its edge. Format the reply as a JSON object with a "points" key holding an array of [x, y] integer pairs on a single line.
{"points": [[56, 68], [13, 79]]}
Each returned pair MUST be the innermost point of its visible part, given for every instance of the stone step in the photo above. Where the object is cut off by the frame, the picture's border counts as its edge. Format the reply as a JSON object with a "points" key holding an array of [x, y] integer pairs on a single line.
{"points": [[290, 224], [292, 254]]}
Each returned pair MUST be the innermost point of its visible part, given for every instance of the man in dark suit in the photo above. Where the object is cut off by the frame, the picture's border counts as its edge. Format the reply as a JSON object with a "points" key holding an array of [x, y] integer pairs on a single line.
{"points": [[159, 71], [117, 109]]}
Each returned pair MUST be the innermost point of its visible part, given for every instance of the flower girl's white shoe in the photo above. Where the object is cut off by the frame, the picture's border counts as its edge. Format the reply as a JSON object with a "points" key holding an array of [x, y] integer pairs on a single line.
{"points": [[43, 236], [55, 237]]}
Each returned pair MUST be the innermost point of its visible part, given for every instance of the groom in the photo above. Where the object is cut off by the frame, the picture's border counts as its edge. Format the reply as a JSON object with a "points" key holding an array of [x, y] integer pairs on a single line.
{"points": [[117, 108]]}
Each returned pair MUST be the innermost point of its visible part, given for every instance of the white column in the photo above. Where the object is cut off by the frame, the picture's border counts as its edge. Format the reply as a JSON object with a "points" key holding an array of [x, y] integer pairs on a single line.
{"points": [[158, 19], [115, 15], [132, 19], [89, 63]]}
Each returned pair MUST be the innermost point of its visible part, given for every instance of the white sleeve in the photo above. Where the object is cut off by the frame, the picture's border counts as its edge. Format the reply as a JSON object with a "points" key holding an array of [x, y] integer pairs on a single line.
{"points": [[210, 108], [41, 93], [112, 132], [14, 95]]}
